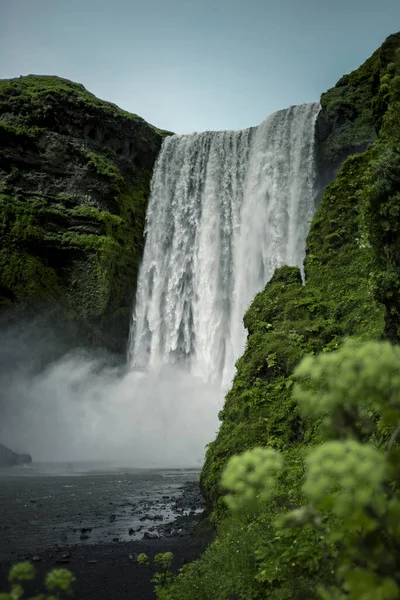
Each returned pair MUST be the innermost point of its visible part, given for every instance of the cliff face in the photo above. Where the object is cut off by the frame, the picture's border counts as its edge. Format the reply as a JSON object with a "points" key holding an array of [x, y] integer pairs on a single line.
{"points": [[351, 112], [9, 458], [74, 181]]}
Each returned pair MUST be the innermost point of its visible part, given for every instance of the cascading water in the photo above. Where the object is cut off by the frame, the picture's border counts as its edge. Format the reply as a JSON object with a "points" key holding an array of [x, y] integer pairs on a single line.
{"points": [[226, 209]]}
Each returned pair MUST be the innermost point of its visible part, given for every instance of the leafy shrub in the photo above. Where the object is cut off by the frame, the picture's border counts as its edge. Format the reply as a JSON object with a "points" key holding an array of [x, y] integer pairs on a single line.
{"points": [[322, 524], [58, 583]]}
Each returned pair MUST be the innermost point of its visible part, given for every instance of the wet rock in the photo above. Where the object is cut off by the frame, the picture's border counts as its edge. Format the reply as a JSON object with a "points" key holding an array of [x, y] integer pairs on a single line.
{"points": [[131, 531], [150, 536]]}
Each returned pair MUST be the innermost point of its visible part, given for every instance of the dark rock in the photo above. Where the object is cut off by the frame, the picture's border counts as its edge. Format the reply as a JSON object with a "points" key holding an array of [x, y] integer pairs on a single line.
{"points": [[150, 536], [347, 123], [9, 458], [112, 518], [63, 561]]}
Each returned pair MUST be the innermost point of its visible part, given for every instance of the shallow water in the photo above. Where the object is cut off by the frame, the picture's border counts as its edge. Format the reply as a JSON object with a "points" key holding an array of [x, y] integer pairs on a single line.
{"points": [[44, 505]]}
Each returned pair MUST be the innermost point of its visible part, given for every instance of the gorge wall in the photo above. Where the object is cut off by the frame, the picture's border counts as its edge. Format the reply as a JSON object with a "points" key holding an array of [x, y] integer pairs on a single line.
{"points": [[75, 176]]}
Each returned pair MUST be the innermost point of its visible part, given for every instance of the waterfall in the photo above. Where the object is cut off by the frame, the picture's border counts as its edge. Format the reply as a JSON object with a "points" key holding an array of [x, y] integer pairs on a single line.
{"points": [[226, 209]]}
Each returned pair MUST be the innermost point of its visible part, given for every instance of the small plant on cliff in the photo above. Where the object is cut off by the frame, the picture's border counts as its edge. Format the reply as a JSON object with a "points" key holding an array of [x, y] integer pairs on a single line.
{"points": [[162, 574], [58, 583]]}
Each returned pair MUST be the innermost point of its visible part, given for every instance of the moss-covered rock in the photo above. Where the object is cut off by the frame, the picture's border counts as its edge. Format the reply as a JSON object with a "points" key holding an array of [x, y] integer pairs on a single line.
{"points": [[351, 112], [74, 182]]}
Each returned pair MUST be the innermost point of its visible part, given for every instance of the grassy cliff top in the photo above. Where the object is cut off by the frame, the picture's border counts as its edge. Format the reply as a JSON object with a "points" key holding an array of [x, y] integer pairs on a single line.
{"points": [[29, 94], [351, 114]]}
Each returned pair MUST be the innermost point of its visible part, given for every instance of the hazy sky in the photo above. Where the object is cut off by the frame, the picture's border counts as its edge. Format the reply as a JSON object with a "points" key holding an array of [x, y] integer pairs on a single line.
{"points": [[192, 65]]}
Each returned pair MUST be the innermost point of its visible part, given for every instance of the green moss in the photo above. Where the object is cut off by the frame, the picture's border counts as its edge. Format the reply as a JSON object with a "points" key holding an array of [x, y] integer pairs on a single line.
{"points": [[351, 112], [26, 94], [74, 187], [89, 276], [37, 98], [9, 131], [105, 168]]}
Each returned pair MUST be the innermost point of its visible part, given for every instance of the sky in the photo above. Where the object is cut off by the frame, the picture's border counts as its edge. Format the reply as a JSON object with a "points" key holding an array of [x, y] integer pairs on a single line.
{"points": [[195, 65]]}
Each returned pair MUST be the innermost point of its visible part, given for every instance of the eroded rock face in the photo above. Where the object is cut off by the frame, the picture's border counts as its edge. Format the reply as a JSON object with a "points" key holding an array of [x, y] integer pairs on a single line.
{"points": [[8, 458], [351, 112], [74, 182]]}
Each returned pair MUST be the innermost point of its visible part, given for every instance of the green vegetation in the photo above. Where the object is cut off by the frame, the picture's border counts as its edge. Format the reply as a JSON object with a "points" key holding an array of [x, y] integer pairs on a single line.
{"points": [[352, 111], [74, 182], [321, 522], [162, 574], [36, 97], [58, 583]]}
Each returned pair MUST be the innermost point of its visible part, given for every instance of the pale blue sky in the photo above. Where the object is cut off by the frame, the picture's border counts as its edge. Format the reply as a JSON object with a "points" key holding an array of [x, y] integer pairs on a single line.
{"points": [[192, 65]]}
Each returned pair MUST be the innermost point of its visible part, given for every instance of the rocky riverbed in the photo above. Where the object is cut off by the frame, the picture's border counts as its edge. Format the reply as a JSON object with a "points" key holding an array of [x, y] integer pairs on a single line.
{"points": [[95, 522]]}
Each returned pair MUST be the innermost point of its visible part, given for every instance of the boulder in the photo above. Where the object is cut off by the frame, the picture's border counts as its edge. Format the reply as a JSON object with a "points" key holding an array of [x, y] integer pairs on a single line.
{"points": [[8, 458]]}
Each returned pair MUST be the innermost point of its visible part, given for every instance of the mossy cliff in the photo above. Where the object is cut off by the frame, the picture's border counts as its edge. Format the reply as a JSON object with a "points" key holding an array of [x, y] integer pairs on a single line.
{"points": [[352, 288], [351, 112], [351, 270], [74, 182]]}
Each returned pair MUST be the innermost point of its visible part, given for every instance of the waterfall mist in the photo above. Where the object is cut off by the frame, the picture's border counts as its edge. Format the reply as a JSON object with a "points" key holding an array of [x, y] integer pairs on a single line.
{"points": [[226, 209], [81, 408]]}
